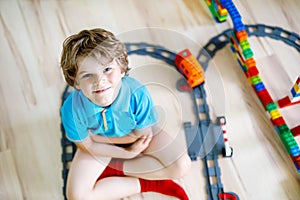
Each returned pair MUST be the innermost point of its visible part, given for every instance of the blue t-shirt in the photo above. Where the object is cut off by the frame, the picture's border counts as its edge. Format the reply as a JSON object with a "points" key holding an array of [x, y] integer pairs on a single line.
{"points": [[132, 109]]}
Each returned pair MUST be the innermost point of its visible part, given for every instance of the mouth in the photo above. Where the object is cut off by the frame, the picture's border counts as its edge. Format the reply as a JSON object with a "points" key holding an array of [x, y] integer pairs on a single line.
{"points": [[101, 90]]}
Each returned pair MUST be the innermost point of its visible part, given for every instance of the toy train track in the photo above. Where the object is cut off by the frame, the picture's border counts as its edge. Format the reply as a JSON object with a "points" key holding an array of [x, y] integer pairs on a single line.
{"points": [[216, 43]]}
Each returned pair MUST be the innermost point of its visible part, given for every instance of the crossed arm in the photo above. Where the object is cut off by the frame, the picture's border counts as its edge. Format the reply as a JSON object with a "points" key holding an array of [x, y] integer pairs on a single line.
{"points": [[128, 139], [104, 146]]}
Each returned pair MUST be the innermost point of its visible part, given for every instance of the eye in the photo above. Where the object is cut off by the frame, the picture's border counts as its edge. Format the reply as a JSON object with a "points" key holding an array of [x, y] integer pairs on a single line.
{"points": [[86, 76], [107, 69]]}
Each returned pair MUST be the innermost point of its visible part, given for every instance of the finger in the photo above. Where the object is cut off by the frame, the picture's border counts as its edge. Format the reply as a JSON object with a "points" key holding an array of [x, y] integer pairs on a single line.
{"points": [[147, 140]]}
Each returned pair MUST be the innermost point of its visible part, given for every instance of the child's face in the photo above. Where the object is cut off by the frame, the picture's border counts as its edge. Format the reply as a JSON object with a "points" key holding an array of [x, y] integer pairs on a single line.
{"points": [[100, 84]]}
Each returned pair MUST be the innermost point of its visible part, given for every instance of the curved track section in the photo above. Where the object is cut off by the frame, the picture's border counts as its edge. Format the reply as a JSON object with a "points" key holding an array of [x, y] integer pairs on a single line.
{"points": [[258, 30]]}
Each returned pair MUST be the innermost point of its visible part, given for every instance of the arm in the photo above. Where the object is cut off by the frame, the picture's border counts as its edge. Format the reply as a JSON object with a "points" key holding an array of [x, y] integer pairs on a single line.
{"points": [[109, 150], [130, 138]]}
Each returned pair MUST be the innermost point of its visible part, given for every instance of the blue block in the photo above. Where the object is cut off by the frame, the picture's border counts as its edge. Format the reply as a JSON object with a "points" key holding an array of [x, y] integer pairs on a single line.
{"points": [[295, 151], [241, 64], [225, 1], [294, 93], [232, 11], [228, 5], [236, 17], [276, 129], [259, 86], [239, 27], [297, 167], [232, 49], [215, 5], [238, 22]]}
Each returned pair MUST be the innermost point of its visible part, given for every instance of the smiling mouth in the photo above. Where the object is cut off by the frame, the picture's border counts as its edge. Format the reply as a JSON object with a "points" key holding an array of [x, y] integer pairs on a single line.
{"points": [[101, 91]]}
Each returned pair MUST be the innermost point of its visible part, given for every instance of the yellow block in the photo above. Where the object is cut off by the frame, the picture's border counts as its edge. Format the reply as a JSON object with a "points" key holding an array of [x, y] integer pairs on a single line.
{"points": [[296, 88], [275, 114], [208, 2], [222, 11]]}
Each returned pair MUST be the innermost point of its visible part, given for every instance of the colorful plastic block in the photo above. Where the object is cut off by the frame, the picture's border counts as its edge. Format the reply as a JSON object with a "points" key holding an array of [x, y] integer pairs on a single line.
{"points": [[250, 62], [296, 131], [275, 114], [241, 35], [259, 86], [264, 97], [278, 121]]}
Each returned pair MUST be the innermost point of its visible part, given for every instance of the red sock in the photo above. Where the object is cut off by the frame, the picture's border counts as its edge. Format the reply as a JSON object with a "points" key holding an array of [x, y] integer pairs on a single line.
{"points": [[114, 168], [166, 187]]}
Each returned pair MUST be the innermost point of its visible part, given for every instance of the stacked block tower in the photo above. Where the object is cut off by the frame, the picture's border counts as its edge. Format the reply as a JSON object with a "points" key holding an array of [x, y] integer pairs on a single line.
{"points": [[218, 11], [242, 51], [293, 97], [295, 91]]}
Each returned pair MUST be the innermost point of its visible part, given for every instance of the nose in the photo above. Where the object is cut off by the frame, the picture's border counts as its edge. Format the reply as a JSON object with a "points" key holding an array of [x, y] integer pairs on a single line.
{"points": [[100, 79]]}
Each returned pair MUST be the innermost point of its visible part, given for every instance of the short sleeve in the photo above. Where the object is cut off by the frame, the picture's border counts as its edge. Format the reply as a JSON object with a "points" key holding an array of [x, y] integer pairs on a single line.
{"points": [[144, 112], [75, 129]]}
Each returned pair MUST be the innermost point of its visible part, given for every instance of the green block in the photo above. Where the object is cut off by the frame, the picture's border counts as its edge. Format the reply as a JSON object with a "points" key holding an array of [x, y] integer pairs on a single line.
{"points": [[245, 44], [222, 18], [285, 134], [245, 68], [288, 140], [212, 10], [255, 80], [234, 37], [283, 128], [271, 106], [248, 53]]}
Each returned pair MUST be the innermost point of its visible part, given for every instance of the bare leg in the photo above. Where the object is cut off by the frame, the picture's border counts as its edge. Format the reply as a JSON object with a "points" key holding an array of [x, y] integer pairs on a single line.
{"points": [[115, 188], [82, 182], [84, 172]]}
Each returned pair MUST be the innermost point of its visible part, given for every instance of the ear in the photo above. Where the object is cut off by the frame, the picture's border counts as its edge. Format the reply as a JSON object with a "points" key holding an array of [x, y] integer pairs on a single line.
{"points": [[76, 85], [123, 73]]}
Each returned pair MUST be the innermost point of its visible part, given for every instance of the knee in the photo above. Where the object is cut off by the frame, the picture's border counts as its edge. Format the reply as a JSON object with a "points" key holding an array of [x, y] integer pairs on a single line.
{"points": [[73, 194], [77, 194], [181, 167]]}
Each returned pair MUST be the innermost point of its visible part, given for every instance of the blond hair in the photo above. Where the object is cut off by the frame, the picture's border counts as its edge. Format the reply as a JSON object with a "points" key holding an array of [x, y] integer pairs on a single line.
{"points": [[98, 43]]}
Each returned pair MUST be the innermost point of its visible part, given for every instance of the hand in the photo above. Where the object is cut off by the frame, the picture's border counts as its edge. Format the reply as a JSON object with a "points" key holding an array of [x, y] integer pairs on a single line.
{"points": [[140, 145]]}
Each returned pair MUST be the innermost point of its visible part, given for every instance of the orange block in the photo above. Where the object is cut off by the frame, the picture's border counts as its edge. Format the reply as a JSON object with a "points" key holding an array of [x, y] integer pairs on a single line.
{"points": [[250, 62], [241, 35]]}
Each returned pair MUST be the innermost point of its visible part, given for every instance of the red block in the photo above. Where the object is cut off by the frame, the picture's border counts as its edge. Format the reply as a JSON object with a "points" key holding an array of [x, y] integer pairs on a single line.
{"points": [[227, 196], [296, 158], [278, 121], [284, 102], [264, 96], [296, 131], [253, 71], [298, 81], [297, 165]]}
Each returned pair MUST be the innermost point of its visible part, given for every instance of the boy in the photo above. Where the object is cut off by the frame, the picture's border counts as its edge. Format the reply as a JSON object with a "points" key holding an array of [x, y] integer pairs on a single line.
{"points": [[111, 119]]}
